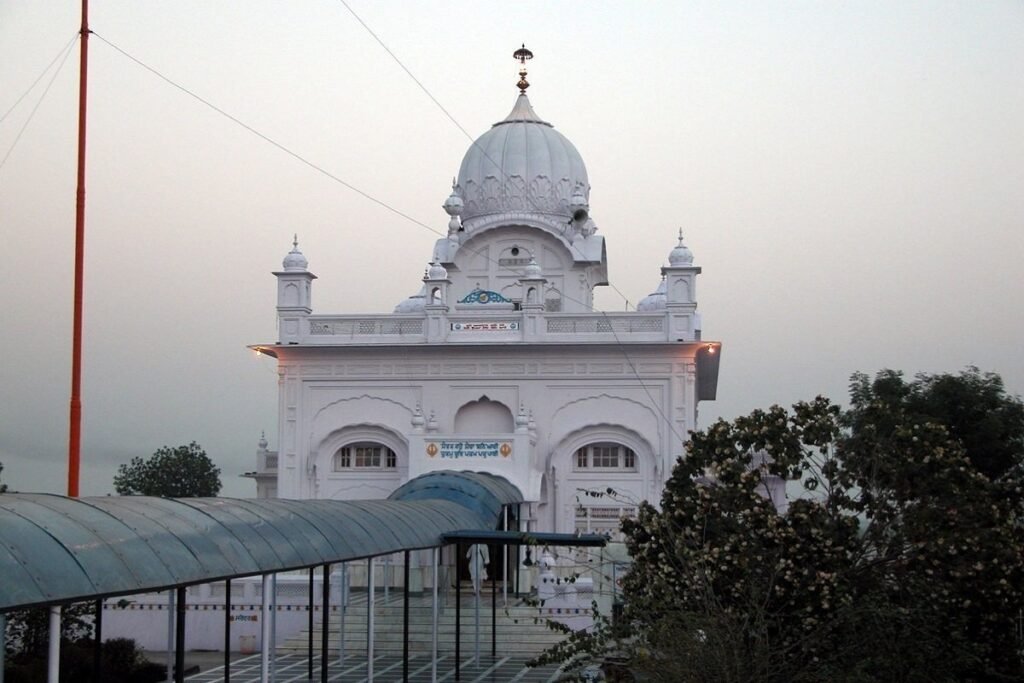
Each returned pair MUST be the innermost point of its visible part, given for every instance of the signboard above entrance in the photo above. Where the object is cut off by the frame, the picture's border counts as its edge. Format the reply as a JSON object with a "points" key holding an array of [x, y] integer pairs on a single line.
{"points": [[468, 449]]}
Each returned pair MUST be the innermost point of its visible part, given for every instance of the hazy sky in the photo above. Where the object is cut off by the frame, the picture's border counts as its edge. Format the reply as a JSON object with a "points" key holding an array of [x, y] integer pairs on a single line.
{"points": [[850, 175]]}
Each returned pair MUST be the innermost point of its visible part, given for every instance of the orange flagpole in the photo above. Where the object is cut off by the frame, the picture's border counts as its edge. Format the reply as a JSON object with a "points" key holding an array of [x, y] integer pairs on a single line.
{"points": [[75, 430]]}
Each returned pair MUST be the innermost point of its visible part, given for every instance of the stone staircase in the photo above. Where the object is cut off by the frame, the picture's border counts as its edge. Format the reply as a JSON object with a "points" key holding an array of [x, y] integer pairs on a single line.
{"points": [[520, 628]]}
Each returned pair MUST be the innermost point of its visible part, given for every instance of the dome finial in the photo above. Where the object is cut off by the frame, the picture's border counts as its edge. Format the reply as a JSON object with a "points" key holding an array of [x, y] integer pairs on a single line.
{"points": [[294, 260], [521, 55], [681, 254]]}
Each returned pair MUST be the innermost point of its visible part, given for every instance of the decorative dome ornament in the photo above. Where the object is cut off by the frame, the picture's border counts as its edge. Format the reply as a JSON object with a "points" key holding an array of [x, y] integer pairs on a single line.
{"points": [[681, 255], [437, 272], [453, 207], [521, 55], [418, 421], [294, 260], [532, 270]]}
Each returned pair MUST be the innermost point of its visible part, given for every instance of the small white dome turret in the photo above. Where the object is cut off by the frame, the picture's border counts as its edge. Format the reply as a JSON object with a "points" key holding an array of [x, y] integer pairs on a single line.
{"points": [[681, 255], [437, 272], [414, 304], [656, 300], [294, 260]]}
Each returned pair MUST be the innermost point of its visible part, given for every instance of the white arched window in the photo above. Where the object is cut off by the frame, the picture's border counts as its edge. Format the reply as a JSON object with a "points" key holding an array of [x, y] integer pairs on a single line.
{"points": [[605, 457], [364, 456]]}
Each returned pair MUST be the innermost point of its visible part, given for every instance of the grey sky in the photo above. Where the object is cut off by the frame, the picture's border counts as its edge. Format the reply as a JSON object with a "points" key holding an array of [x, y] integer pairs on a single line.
{"points": [[849, 175]]}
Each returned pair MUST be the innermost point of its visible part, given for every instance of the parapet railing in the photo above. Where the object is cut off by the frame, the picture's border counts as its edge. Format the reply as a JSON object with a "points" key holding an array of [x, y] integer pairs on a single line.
{"points": [[505, 326]]}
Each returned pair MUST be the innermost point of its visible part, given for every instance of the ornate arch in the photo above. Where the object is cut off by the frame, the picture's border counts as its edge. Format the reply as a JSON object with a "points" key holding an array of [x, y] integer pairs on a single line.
{"points": [[364, 432], [595, 410], [562, 452]]}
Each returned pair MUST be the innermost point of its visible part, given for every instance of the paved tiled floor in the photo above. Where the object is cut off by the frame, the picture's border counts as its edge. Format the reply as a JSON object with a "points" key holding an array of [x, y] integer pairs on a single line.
{"points": [[386, 669]]}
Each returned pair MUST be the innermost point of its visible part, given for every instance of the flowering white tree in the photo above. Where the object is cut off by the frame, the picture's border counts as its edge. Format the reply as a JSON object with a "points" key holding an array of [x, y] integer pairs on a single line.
{"points": [[903, 563]]}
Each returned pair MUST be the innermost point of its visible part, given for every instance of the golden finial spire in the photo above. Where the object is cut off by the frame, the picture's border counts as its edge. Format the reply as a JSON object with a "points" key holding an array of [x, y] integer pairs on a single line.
{"points": [[521, 55]]}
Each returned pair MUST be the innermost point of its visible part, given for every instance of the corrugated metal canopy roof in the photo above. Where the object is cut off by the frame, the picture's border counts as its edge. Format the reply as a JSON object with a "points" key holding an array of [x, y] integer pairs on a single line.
{"points": [[55, 549]]}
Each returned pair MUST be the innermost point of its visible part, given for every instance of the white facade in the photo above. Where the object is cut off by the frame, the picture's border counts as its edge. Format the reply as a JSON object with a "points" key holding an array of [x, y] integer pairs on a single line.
{"points": [[499, 363]]}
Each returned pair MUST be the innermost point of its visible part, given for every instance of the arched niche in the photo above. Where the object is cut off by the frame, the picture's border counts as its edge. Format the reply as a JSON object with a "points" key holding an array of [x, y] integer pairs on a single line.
{"points": [[484, 416], [291, 295]]}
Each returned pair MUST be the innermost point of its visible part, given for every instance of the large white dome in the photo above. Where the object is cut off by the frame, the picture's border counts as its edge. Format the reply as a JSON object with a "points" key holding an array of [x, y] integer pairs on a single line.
{"points": [[522, 164]]}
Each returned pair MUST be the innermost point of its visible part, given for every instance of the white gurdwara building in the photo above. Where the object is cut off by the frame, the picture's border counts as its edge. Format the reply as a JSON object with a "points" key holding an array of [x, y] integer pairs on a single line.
{"points": [[499, 364]]}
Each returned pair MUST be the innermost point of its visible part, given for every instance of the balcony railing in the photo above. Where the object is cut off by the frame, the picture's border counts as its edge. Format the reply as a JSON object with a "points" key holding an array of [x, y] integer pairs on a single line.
{"points": [[370, 327], [590, 323], [503, 327]]}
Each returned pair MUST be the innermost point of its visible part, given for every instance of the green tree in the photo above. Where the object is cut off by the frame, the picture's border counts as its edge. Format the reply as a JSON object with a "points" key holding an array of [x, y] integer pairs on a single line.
{"points": [[903, 563], [3, 487], [28, 630], [181, 472], [974, 406]]}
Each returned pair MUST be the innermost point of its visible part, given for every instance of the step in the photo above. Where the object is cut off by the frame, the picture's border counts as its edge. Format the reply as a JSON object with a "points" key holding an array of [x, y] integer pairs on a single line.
{"points": [[519, 624]]}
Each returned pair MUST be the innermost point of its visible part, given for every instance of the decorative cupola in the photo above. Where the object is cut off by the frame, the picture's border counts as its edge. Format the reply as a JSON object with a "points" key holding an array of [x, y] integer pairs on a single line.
{"points": [[294, 295], [681, 291], [436, 282], [532, 283]]}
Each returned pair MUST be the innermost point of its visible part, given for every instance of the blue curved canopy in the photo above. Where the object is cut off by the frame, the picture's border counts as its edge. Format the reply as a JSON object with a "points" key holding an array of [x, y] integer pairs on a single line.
{"points": [[483, 493], [55, 549]]}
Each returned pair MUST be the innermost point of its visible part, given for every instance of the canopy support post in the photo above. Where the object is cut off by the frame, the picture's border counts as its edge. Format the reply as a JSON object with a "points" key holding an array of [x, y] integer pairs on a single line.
{"points": [[325, 626], [179, 636], [227, 630], [170, 634], [458, 611], [494, 613], [343, 608], [433, 636], [273, 628], [405, 620], [265, 636], [504, 561], [309, 644], [53, 654], [370, 589]]}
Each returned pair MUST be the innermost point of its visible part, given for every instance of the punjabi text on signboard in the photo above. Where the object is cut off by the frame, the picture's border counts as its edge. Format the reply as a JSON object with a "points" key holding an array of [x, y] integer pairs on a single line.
{"points": [[497, 326], [469, 449]]}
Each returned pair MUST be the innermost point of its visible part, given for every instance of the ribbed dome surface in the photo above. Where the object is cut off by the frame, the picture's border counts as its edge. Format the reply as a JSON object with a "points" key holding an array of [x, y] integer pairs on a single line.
{"points": [[521, 164]]}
